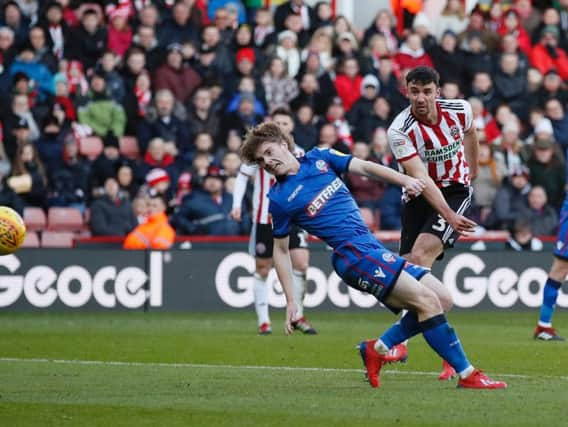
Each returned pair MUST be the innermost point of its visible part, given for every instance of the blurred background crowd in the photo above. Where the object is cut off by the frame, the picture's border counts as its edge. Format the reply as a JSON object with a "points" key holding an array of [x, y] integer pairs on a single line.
{"points": [[132, 109]]}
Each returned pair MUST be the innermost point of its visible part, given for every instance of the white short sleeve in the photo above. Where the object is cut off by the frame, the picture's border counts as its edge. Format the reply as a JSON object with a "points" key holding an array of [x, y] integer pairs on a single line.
{"points": [[400, 144]]}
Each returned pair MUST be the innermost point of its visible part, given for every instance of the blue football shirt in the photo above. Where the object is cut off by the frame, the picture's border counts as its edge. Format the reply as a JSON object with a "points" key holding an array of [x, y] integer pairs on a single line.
{"points": [[317, 200]]}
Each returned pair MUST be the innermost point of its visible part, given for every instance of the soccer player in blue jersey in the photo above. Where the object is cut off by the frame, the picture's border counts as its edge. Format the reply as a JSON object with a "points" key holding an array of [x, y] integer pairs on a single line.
{"points": [[556, 276], [310, 193]]}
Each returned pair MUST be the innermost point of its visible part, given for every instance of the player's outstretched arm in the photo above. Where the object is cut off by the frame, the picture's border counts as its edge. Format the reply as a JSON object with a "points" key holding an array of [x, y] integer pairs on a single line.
{"points": [[413, 186], [283, 265], [414, 167], [238, 195]]}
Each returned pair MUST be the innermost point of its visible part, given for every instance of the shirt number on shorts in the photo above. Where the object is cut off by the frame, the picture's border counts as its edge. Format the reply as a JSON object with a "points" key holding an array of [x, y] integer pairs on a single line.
{"points": [[440, 225]]}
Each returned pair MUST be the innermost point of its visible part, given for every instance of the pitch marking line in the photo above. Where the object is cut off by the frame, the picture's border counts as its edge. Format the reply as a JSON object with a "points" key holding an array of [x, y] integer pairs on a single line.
{"points": [[251, 367]]}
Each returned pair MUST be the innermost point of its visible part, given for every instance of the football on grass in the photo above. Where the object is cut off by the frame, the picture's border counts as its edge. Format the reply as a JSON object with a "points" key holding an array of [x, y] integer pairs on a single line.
{"points": [[12, 230]]}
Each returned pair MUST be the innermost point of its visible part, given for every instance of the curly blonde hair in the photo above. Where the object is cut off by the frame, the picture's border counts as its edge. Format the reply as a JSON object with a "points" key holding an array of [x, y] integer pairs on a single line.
{"points": [[265, 132]]}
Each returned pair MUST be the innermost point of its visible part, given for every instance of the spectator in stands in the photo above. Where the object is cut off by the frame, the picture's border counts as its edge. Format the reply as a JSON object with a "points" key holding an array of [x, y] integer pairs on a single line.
{"points": [[58, 32], [69, 184], [522, 237], [348, 83], [347, 47], [361, 111], [321, 44], [366, 192], [244, 118], [328, 139], [231, 163], [559, 121], [295, 7], [449, 59], [547, 55], [167, 126], [510, 44], [126, 181], [552, 88], [13, 19], [294, 24], [489, 178], [422, 26], [145, 39], [155, 232], [324, 14], [482, 87], [511, 84], [201, 116], [88, 41], [50, 144], [19, 126], [8, 197], [110, 214], [119, 33], [7, 54], [411, 53], [511, 25], [158, 181], [101, 113], [263, 30], [305, 133], [179, 27], [279, 88], [27, 63], [310, 94], [247, 85], [453, 18], [542, 217], [207, 211], [28, 178], [180, 79], [107, 163], [547, 171], [510, 201], [114, 82], [550, 17], [389, 85], [42, 52], [509, 146], [313, 65], [383, 24], [476, 58], [287, 51], [156, 156]]}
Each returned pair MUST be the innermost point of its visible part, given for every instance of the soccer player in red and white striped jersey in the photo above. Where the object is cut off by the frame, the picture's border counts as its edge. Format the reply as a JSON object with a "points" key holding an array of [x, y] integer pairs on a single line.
{"points": [[434, 139]]}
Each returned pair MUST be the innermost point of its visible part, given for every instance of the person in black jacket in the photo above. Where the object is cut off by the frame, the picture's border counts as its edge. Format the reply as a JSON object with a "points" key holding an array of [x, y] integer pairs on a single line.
{"points": [[359, 114], [88, 42], [111, 215], [294, 7], [7, 196]]}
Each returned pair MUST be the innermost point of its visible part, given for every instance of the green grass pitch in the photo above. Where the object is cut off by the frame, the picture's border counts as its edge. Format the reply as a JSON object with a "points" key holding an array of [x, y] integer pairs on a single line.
{"points": [[204, 369]]}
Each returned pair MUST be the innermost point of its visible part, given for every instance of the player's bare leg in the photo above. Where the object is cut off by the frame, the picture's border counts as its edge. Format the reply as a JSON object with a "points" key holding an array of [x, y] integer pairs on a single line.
{"points": [[263, 266], [300, 262], [425, 315], [426, 249], [556, 276]]}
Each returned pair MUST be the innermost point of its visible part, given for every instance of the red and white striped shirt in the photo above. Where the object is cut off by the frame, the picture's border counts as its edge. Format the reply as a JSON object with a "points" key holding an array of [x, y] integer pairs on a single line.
{"points": [[440, 146], [263, 181]]}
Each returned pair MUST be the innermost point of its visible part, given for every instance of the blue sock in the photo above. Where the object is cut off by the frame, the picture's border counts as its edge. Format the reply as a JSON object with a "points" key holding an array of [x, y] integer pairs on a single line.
{"points": [[443, 339], [405, 328], [551, 288]]}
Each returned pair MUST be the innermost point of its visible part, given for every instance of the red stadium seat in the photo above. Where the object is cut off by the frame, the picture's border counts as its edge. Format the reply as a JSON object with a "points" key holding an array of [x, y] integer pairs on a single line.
{"points": [[129, 147], [57, 239], [31, 240], [35, 219], [64, 219], [91, 147]]}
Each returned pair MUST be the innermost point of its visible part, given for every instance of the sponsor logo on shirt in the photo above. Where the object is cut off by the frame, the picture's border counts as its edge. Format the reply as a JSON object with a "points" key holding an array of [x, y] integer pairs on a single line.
{"points": [[323, 197], [443, 153], [295, 192]]}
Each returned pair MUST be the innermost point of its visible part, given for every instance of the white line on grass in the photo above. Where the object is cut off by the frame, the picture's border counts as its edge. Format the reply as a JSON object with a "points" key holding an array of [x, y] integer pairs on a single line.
{"points": [[257, 367]]}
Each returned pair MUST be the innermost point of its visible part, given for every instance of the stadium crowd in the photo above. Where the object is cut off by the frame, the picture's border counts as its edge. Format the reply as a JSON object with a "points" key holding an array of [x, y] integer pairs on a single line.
{"points": [[183, 80]]}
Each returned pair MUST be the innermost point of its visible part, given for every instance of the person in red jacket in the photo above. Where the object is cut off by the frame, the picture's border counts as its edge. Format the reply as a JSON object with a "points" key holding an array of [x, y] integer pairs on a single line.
{"points": [[412, 54], [156, 232], [348, 83], [511, 24], [546, 55]]}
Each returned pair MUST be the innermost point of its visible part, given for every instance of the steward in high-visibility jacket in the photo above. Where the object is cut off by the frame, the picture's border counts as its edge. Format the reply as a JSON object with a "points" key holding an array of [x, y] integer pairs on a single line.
{"points": [[156, 232]]}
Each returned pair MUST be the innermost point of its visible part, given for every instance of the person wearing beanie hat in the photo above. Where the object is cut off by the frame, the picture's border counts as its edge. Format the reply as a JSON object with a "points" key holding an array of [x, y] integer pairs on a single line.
{"points": [[363, 107], [158, 180], [547, 54], [245, 54]]}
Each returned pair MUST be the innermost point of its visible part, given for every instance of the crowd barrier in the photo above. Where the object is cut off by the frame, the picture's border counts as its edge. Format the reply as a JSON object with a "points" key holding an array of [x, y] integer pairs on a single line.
{"points": [[216, 276]]}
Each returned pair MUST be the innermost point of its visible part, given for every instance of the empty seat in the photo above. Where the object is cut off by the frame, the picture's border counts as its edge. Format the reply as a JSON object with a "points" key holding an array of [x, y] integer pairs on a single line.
{"points": [[129, 147], [57, 239], [64, 219], [91, 147], [31, 240], [34, 218]]}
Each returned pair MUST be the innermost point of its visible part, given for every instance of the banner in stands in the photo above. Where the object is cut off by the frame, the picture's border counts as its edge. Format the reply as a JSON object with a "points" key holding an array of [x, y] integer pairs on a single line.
{"points": [[214, 277]]}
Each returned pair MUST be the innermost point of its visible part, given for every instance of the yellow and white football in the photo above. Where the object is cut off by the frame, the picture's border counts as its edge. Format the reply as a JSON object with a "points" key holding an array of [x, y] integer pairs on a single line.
{"points": [[12, 230]]}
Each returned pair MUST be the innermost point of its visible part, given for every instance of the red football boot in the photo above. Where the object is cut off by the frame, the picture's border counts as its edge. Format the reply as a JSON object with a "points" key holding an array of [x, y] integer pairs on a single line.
{"points": [[372, 362], [448, 372], [479, 380]]}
